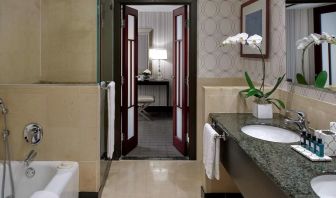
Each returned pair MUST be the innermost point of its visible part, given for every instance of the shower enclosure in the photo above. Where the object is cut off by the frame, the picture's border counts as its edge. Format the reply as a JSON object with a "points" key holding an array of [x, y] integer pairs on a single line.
{"points": [[56, 73]]}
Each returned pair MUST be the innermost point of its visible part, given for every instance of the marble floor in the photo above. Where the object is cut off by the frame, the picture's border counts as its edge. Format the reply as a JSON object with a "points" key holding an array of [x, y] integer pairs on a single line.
{"points": [[153, 179]]}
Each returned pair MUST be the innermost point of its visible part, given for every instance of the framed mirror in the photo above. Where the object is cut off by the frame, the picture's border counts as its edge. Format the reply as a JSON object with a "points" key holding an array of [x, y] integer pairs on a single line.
{"points": [[145, 38], [311, 65]]}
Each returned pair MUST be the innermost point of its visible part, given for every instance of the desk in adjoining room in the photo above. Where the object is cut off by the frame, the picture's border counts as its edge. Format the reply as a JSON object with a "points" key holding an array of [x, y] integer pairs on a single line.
{"points": [[154, 88]]}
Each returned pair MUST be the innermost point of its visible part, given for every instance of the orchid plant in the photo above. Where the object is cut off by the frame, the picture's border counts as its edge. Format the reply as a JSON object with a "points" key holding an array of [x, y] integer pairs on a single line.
{"points": [[303, 44], [262, 97], [146, 74]]}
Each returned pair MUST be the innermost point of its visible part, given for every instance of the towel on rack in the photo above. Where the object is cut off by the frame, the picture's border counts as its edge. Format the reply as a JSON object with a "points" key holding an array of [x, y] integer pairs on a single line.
{"points": [[111, 118], [211, 152]]}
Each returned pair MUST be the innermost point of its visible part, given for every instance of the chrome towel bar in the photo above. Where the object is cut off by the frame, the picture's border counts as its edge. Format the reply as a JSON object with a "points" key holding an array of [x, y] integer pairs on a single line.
{"points": [[224, 131]]}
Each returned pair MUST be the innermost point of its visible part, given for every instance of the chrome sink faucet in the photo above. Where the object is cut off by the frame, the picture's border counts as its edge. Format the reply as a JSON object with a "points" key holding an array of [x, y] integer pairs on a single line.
{"points": [[301, 122], [32, 154]]}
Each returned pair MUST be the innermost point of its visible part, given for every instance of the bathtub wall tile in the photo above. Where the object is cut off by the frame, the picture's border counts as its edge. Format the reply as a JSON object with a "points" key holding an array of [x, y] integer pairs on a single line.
{"points": [[20, 41], [70, 118], [90, 179], [69, 34]]}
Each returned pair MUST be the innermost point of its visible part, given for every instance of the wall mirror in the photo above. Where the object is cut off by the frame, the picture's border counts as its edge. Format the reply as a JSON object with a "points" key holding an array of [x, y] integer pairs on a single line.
{"points": [[308, 66], [145, 39]]}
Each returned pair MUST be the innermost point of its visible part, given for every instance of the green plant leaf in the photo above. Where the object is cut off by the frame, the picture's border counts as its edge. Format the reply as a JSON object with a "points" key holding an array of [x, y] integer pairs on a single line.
{"points": [[242, 92], [279, 102], [280, 79], [254, 92], [321, 79], [301, 79], [275, 105], [249, 81]]}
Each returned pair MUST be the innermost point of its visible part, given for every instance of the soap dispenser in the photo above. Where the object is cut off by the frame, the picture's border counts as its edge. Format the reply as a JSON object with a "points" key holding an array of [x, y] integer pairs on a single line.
{"points": [[308, 141], [303, 138], [320, 148]]}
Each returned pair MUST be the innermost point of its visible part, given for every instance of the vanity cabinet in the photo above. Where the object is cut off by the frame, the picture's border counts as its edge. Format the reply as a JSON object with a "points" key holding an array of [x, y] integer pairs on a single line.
{"points": [[251, 181]]}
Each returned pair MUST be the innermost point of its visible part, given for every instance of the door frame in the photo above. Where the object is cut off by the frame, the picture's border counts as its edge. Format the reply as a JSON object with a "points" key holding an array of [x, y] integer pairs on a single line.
{"points": [[192, 67]]}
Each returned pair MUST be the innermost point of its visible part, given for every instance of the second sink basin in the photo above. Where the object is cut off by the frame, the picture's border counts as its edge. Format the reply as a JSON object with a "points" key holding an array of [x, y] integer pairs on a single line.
{"points": [[271, 133], [324, 186]]}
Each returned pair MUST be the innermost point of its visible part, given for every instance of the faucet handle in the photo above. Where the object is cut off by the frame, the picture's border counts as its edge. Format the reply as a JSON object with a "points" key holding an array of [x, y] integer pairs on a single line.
{"points": [[300, 114]]}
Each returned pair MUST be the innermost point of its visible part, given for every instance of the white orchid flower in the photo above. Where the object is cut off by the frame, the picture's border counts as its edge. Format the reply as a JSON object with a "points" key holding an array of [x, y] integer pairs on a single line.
{"points": [[227, 41], [241, 38], [304, 42], [147, 71], [316, 38], [329, 38], [254, 41]]}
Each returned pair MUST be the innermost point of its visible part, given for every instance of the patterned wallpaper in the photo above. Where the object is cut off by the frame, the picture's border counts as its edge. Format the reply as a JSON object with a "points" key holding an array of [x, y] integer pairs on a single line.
{"points": [[218, 19]]}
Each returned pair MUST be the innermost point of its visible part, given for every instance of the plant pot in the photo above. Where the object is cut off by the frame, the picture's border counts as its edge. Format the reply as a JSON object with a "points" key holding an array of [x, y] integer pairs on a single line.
{"points": [[262, 111]]}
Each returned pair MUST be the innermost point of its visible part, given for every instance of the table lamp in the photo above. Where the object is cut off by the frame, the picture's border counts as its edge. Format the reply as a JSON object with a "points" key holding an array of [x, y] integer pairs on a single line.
{"points": [[158, 54]]}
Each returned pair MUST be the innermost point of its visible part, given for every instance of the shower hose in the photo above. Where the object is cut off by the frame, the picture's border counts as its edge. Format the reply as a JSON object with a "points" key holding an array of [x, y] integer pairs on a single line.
{"points": [[7, 159]]}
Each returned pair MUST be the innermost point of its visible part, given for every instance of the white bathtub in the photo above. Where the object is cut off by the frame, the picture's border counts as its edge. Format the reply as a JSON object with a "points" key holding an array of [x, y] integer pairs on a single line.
{"points": [[49, 176]]}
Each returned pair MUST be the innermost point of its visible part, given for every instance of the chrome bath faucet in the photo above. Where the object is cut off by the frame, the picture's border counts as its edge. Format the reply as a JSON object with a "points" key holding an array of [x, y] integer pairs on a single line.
{"points": [[32, 154], [301, 122]]}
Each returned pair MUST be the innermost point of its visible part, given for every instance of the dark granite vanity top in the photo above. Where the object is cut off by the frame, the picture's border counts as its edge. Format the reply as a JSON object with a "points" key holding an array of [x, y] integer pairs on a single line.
{"points": [[288, 169]]}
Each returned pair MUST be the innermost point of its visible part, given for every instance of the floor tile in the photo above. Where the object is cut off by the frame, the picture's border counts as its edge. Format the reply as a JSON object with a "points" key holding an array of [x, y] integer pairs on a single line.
{"points": [[152, 179]]}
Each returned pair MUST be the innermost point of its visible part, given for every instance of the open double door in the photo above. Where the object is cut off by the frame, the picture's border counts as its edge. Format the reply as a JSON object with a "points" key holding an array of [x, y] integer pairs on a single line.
{"points": [[129, 79]]}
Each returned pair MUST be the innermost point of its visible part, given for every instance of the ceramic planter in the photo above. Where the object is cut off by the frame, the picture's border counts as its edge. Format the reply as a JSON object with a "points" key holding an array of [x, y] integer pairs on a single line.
{"points": [[262, 111]]}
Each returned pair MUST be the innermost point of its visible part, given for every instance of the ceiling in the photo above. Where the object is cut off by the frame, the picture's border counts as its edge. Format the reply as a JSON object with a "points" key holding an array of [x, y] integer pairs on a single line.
{"points": [[155, 8]]}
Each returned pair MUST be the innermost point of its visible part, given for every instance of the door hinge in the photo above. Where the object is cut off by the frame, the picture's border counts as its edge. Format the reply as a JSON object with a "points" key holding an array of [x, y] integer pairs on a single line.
{"points": [[122, 23], [188, 138]]}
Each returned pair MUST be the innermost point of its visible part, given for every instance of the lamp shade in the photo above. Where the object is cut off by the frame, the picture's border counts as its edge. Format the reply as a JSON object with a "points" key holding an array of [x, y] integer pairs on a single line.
{"points": [[158, 54]]}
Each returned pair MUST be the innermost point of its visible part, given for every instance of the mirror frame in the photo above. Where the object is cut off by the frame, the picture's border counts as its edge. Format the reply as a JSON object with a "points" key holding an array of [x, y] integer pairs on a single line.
{"points": [[149, 33]]}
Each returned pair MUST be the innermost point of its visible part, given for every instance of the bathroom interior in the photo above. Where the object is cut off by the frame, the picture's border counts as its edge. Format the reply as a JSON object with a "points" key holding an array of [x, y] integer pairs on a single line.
{"points": [[258, 115]]}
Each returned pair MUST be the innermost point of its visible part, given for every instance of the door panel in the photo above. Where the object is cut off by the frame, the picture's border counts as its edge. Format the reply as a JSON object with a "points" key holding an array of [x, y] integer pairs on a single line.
{"points": [[129, 72], [180, 67]]}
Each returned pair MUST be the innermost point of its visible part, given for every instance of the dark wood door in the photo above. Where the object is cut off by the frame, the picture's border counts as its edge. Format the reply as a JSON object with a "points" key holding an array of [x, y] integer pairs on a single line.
{"points": [[180, 80], [129, 81]]}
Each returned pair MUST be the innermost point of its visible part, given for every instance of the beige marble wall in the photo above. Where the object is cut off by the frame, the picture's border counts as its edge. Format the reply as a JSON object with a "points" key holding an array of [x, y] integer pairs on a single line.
{"points": [[219, 96], [20, 41], [69, 116], [69, 40], [319, 113]]}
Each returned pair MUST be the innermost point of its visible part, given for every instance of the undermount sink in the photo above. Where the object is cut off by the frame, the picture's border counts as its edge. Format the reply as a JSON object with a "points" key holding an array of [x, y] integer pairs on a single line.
{"points": [[324, 186], [271, 133]]}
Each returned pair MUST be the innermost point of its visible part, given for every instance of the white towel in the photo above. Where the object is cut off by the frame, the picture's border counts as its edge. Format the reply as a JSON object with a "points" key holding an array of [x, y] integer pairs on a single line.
{"points": [[111, 119], [44, 194], [211, 152]]}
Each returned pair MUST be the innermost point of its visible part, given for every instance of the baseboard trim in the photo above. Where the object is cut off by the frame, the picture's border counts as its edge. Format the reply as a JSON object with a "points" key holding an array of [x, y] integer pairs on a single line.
{"points": [[88, 195], [220, 195]]}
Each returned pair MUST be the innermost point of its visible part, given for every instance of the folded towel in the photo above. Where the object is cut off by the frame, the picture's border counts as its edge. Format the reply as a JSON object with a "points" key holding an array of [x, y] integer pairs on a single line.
{"points": [[44, 194], [111, 118], [211, 152]]}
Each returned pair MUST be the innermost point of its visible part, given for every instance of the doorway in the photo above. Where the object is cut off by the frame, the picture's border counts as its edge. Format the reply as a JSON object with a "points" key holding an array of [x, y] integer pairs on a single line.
{"points": [[190, 105], [163, 82]]}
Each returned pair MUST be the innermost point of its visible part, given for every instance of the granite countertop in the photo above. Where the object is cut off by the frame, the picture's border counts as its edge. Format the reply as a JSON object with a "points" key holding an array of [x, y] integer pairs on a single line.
{"points": [[288, 169]]}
